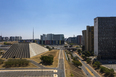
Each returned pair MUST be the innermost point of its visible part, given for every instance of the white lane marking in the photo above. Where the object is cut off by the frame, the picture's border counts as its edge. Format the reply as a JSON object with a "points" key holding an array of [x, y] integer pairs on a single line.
{"points": [[28, 70]]}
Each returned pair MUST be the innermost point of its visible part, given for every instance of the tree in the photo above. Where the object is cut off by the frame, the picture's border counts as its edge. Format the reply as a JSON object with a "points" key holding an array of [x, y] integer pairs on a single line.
{"points": [[97, 63], [77, 63], [49, 48], [47, 59], [79, 51], [88, 60]]}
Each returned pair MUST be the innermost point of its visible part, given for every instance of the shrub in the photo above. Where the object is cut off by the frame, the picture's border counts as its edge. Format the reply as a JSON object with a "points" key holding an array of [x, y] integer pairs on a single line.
{"points": [[77, 63], [16, 63], [47, 59], [49, 48], [1, 61], [5, 43]]}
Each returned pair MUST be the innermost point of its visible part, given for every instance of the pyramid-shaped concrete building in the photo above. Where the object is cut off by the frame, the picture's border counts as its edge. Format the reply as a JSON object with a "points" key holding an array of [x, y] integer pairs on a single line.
{"points": [[24, 50]]}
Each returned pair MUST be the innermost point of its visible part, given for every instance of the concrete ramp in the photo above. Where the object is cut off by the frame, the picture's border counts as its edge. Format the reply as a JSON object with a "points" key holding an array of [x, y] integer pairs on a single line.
{"points": [[36, 49]]}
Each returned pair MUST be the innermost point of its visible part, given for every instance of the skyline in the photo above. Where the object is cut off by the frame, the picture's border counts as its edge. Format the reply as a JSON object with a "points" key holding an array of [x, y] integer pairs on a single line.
{"points": [[19, 17]]}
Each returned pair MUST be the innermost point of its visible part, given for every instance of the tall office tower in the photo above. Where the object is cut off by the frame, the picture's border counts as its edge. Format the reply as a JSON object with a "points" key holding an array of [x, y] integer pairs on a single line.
{"points": [[105, 37], [79, 39], [83, 40], [88, 38]]}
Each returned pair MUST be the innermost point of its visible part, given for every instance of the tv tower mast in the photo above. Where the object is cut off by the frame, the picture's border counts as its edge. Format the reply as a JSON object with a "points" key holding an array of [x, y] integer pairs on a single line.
{"points": [[33, 34]]}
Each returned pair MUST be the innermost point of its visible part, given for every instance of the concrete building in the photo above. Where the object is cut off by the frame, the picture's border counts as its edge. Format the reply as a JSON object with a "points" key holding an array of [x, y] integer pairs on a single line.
{"points": [[72, 40], [5, 38], [105, 37], [15, 38], [12, 38], [83, 40], [52, 39], [79, 39], [0, 38], [88, 38]]}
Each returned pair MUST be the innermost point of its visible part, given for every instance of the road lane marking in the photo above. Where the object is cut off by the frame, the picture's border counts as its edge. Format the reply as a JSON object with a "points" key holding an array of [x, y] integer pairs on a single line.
{"points": [[28, 70], [88, 70]]}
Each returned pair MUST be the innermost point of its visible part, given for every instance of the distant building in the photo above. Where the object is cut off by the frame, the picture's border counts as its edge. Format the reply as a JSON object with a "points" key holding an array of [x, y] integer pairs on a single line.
{"points": [[79, 39], [52, 39], [72, 40], [75, 40], [105, 37], [12, 38], [83, 40], [5, 38], [15, 38], [88, 38], [0, 38]]}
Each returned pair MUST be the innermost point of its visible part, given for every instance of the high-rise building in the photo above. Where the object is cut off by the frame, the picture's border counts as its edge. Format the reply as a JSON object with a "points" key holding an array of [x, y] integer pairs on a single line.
{"points": [[88, 38], [79, 39], [105, 37], [83, 40]]}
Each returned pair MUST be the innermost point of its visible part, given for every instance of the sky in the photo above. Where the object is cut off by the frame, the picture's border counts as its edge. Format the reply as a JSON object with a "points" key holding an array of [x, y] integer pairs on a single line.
{"points": [[68, 17]]}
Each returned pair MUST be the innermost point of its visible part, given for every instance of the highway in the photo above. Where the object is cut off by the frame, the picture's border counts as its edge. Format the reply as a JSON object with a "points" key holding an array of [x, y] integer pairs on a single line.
{"points": [[89, 71], [61, 64]]}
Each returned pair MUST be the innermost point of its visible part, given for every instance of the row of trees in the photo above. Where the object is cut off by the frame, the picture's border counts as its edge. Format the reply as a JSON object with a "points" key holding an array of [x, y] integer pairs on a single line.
{"points": [[5, 43], [16, 63], [108, 72]]}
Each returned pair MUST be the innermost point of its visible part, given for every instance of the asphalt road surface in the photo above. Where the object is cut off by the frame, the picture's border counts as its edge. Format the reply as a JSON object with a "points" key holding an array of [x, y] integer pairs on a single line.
{"points": [[61, 64], [87, 69]]}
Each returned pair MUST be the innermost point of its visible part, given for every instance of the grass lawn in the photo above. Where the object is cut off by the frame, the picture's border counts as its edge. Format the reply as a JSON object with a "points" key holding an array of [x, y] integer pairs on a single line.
{"points": [[52, 52]]}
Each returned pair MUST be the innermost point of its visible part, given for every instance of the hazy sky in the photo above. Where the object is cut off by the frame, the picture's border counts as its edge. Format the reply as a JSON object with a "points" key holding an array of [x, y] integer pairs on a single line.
{"points": [[68, 17]]}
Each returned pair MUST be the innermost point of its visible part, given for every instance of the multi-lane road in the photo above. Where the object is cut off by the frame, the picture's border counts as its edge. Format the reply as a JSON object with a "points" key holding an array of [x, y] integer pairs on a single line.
{"points": [[89, 71]]}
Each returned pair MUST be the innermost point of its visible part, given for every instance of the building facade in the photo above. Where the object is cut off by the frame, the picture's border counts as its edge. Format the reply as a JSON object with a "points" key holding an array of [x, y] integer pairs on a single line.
{"points": [[88, 38], [105, 37], [79, 39], [15, 38], [0, 38], [52, 39]]}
